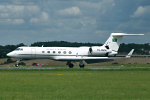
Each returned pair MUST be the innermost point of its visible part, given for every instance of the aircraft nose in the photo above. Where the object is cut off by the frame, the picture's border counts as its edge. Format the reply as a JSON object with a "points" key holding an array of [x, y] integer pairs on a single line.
{"points": [[11, 54]]}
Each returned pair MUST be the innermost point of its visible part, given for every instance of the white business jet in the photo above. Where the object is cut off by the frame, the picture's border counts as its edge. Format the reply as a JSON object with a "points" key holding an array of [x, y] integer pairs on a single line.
{"points": [[91, 54]]}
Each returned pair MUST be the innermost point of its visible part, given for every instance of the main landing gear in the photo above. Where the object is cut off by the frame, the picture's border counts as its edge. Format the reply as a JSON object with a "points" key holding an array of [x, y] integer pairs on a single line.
{"points": [[81, 65], [70, 64]]}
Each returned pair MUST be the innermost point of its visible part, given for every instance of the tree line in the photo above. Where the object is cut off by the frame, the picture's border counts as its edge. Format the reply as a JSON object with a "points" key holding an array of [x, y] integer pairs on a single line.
{"points": [[140, 49]]}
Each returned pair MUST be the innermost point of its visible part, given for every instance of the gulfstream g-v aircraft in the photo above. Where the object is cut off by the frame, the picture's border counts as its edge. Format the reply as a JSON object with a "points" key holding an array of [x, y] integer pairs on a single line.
{"points": [[91, 54]]}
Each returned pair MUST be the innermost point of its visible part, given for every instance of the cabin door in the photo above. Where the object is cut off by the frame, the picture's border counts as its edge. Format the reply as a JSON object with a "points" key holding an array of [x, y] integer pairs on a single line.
{"points": [[33, 52]]}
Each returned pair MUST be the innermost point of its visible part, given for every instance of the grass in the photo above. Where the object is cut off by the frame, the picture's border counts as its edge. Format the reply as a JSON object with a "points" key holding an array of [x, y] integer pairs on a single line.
{"points": [[124, 65], [74, 84], [96, 65]]}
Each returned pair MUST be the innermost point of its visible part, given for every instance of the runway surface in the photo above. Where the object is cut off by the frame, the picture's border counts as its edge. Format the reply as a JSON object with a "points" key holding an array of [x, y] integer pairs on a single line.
{"points": [[45, 68]]}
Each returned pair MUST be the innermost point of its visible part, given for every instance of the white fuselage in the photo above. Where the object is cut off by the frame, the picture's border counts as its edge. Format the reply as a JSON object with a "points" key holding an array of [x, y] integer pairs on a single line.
{"points": [[56, 52]]}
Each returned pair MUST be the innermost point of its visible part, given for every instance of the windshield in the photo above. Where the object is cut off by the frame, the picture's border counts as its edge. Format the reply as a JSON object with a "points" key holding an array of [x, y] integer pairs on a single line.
{"points": [[19, 49]]}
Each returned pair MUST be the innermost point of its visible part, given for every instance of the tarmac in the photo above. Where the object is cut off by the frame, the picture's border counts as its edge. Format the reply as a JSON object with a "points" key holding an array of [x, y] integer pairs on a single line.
{"points": [[91, 67]]}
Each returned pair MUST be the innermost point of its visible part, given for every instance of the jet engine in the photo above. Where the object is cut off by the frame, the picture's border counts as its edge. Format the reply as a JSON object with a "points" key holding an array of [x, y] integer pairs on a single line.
{"points": [[99, 51]]}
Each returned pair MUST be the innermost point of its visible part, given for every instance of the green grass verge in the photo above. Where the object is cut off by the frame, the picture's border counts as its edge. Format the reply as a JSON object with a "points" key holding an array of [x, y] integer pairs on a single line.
{"points": [[74, 84], [111, 65]]}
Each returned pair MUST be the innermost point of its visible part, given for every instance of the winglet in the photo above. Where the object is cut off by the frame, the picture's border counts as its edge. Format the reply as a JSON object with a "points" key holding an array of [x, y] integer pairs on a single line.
{"points": [[130, 53]]}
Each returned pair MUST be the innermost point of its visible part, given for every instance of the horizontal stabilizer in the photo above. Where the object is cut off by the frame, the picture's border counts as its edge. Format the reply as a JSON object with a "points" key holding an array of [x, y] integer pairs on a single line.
{"points": [[124, 34]]}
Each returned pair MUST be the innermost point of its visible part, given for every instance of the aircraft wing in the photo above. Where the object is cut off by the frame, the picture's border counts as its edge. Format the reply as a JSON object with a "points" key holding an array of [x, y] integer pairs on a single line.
{"points": [[87, 59], [79, 58], [130, 53], [91, 59]]}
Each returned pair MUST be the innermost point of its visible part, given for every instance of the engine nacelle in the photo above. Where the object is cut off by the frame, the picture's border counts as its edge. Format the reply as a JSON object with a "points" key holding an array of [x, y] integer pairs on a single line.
{"points": [[99, 51]]}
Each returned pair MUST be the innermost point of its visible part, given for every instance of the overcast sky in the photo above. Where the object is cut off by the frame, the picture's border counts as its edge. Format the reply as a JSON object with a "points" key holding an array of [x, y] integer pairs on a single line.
{"points": [[29, 21]]}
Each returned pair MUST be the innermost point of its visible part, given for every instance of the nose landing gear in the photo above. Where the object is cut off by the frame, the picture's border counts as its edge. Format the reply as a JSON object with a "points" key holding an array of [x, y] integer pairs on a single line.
{"points": [[17, 63]]}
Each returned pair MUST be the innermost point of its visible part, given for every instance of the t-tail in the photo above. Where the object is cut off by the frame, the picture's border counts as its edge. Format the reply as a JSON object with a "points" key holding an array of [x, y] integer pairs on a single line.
{"points": [[114, 41]]}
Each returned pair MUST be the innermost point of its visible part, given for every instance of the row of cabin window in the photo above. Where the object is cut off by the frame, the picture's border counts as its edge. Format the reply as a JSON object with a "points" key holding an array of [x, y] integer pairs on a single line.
{"points": [[58, 52]]}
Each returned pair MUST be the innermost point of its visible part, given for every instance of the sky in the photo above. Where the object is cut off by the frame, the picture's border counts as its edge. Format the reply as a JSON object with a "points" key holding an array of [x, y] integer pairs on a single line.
{"points": [[29, 21]]}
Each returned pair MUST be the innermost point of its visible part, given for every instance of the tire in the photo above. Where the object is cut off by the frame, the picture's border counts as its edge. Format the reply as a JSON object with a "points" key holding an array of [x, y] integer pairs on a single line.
{"points": [[71, 65], [81, 66]]}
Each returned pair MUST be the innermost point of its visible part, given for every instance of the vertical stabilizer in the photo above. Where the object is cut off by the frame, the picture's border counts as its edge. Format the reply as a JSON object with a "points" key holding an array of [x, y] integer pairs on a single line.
{"points": [[114, 40]]}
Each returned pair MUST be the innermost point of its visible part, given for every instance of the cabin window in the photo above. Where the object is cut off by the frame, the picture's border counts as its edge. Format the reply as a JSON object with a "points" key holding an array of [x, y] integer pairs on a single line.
{"points": [[59, 52], [64, 52], [54, 52], [48, 51], [43, 51], [70, 52]]}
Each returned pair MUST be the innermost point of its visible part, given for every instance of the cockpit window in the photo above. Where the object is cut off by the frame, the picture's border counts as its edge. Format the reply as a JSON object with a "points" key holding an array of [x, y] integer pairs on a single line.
{"points": [[19, 49]]}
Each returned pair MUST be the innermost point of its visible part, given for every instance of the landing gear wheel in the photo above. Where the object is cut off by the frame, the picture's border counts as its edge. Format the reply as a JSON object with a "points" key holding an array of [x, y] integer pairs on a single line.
{"points": [[16, 65], [71, 65], [81, 65]]}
